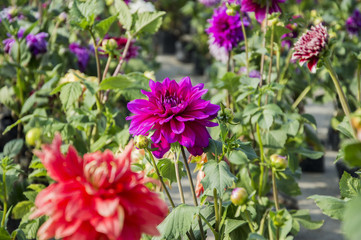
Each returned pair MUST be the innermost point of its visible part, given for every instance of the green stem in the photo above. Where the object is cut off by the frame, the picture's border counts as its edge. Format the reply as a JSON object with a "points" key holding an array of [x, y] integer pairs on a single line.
{"points": [[262, 159], [301, 96], [275, 193], [340, 93], [19, 81], [358, 82], [126, 48], [271, 57], [249, 221], [210, 226], [278, 233], [160, 178], [263, 45], [96, 55], [192, 190], [216, 209], [180, 188], [5, 208], [245, 42], [107, 66]]}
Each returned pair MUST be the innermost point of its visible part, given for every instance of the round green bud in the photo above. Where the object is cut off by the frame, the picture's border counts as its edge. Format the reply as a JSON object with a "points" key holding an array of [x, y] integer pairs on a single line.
{"points": [[109, 44], [279, 162], [239, 196], [141, 142], [231, 12], [33, 136]]}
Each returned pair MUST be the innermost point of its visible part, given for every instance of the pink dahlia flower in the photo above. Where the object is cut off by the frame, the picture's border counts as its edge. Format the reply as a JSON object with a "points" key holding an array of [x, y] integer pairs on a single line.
{"points": [[95, 197], [225, 30], [176, 113], [310, 45], [259, 7]]}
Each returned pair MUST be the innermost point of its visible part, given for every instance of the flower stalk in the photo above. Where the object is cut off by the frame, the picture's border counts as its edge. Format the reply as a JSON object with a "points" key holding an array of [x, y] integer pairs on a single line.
{"points": [[5, 204], [126, 48], [161, 178], [180, 188], [192, 190], [215, 196], [274, 188]]}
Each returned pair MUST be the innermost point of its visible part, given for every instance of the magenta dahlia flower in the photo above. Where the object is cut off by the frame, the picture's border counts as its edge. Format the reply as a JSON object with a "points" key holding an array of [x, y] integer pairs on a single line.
{"points": [[82, 54], [259, 7], [225, 30], [176, 113], [310, 45], [353, 23], [95, 197], [37, 43]]}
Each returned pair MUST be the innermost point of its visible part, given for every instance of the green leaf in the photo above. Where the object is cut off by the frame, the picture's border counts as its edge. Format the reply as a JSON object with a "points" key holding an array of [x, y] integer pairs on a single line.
{"points": [[31, 195], [238, 158], [167, 169], [303, 217], [349, 186], [309, 153], [233, 224], [274, 138], [178, 222], [345, 128], [70, 93], [116, 82], [28, 104], [291, 127], [58, 88], [352, 154], [148, 22], [255, 236], [331, 206], [4, 235], [288, 184], [218, 176], [102, 27], [21, 208], [101, 142], [351, 219], [292, 162], [12, 148], [215, 147], [124, 16], [247, 148], [265, 121]]}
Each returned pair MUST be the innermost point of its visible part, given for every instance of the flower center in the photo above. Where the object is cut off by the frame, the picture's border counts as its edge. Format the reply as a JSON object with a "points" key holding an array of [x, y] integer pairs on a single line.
{"points": [[171, 100]]}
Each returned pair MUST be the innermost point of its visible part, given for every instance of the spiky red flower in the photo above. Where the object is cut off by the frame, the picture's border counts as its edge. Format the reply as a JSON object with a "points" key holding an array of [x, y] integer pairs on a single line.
{"points": [[95, 197], [310, 45]]}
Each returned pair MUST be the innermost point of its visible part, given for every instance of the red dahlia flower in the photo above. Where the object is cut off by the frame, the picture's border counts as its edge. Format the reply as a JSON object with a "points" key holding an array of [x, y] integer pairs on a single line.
{"points": [[95, 197], [176, 113], [310, 45]]}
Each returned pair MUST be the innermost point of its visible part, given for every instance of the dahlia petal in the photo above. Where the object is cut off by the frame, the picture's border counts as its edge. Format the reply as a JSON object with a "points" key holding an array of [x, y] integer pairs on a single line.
{"points": [[67, 228], [106, 207], [195, 151], [168, 133], [177, 126], [141, 106], [163, 147], [185, 118], [188, 137], [312, 65]]}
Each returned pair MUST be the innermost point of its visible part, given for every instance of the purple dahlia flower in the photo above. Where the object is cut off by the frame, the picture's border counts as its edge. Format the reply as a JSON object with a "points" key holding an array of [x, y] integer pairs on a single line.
{"points": [[37, 43], [310, 45], [209, 3], [82, 54], [252, 73], [259, 7], [176, 113], [226, 30], [353, 23]]}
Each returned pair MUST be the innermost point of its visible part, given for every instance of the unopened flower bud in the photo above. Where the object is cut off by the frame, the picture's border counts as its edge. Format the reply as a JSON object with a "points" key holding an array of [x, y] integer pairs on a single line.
{"points": [[239, 196], [231, 12], [109, 2], [62, 16], [226, 115], [278, 162], [313, 13], [141, 142], [109, 44], [278, 219], [33, 136]]}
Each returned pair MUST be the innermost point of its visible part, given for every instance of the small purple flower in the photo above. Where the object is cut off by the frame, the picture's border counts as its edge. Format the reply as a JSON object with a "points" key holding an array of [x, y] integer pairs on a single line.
{"points": [[237, 2], [226, 30], [37, 43], [252, 73], [209, 3], [176, 113], [82, 54], [259, 7], [9, 42], [353, 23]]}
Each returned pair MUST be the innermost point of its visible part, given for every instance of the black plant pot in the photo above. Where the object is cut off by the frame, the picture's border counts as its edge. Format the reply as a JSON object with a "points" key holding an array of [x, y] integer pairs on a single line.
{"points": [[333, 138], [5, 121], [313, 165], [341, 167]]}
